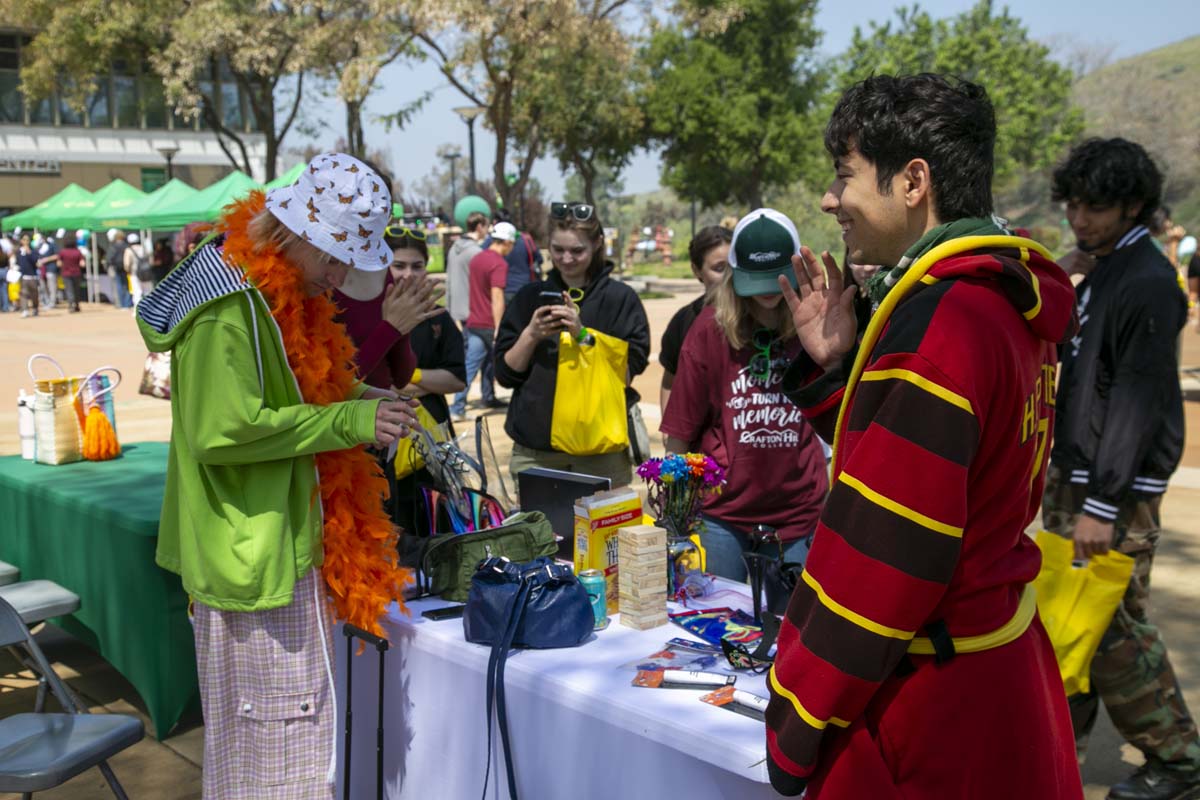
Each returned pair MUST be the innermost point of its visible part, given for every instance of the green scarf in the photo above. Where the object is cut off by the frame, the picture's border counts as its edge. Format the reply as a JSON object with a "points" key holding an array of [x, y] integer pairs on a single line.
{"points": [[879, 284]]}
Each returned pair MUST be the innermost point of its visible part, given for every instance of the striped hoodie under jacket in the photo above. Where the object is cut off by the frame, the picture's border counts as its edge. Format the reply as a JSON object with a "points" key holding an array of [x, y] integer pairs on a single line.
{"points": [[941, 419]]}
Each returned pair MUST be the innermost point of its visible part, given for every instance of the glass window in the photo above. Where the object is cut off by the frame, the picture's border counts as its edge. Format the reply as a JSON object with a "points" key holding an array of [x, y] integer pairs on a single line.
{"points": [[206, 89], [231, 106], [10, 96], [99, 115], [68, 115], [41, 113], [154, 101], [9, 59], [125, 96]]}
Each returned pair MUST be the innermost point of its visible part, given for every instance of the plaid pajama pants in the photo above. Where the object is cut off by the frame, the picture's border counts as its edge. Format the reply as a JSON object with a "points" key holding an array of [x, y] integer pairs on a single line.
{"points": [[269, 710]]}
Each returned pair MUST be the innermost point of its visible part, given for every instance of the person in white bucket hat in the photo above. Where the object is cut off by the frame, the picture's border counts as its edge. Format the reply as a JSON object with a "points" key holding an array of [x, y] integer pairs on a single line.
{"points": [[263, 392]]}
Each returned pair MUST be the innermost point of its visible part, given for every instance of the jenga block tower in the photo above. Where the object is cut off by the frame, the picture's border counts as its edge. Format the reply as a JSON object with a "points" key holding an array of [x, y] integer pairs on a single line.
{"points": [[642, 576]]}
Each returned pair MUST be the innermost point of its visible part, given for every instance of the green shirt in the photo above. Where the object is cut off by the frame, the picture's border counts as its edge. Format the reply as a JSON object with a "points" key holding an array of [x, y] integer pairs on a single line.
{"points": [[241, 517]]}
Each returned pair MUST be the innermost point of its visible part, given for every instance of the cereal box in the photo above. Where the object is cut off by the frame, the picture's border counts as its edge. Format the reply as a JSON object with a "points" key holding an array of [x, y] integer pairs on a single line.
{"points": [[597, 520]]}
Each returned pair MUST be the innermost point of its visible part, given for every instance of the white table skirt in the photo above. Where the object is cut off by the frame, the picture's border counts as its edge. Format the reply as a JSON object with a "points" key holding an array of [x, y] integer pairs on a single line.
{"points": [[579, 729]]}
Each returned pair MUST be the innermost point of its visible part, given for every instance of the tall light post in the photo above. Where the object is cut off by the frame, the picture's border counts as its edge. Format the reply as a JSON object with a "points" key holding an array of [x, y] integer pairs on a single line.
{"points": [[469, 113], [168, 152], [452, 156]]}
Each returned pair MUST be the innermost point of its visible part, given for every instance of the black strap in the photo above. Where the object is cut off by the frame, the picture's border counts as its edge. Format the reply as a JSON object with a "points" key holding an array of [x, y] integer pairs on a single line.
{"points": [[495, 688], [943, 643]]}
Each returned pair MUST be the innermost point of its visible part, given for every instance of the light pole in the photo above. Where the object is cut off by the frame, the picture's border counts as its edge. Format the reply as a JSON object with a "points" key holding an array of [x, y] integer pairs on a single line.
{"points": [[168, 152], [469, 113], [452, 156]]}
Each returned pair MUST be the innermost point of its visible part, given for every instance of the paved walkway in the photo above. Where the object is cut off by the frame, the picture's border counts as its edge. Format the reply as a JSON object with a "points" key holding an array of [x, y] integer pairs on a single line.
{"points": [[171, 769]]}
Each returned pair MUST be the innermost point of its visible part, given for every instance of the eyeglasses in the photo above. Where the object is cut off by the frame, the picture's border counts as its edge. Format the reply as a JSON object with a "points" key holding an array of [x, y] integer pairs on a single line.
{"points": [[764, 341], [580, 212], [403, 230]]}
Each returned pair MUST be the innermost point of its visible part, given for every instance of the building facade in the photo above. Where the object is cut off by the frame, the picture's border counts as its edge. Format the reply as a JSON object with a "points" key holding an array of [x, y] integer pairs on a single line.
{"points": [[127, 130]]}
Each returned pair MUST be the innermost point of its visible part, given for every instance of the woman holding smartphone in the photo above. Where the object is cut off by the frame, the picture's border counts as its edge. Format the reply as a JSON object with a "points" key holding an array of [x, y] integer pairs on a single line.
{"points": [[580, 298]]}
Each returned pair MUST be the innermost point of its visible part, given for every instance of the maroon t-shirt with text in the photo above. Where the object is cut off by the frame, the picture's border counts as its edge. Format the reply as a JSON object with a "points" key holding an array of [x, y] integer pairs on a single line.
{"points": [[487, 270], [774, 462]]}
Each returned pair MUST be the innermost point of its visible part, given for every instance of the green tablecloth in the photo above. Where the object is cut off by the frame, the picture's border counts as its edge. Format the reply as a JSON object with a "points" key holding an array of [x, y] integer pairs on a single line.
{"points": [[92, 527]]}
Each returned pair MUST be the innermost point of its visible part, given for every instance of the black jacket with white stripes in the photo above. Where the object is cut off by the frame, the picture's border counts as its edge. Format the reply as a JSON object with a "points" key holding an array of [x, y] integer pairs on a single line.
{"points": [[1119, 426]]}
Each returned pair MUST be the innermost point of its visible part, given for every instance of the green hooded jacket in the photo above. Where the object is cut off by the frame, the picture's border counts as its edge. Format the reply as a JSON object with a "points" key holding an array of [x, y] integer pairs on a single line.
{"points": [[241, 518]]}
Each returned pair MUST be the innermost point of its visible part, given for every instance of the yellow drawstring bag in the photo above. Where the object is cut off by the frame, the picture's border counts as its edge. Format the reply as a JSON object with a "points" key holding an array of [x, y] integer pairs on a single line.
{"points": [[1077, 603], [408, 457], [589, 415]]}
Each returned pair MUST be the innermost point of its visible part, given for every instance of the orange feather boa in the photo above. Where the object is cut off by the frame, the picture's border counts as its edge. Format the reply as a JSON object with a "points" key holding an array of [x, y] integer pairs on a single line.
{"points": [[360, 570]]}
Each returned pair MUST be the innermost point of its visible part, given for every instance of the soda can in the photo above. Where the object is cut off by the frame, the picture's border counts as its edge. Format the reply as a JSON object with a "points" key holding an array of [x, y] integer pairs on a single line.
{"points": [[593, 581]]}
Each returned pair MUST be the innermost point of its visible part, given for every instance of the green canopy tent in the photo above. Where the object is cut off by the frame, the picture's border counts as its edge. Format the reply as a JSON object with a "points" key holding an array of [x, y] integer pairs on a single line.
{"points": [[204, 206], [134, 216], [287, 178], [68, 209], [112, 206]]}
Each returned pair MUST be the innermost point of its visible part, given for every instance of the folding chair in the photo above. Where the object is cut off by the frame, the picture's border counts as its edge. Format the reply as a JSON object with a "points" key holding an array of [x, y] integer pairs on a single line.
{"points": [[39, 751]]}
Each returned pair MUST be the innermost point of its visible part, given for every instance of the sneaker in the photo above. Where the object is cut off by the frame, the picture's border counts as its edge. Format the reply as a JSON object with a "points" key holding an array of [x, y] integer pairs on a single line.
{"points": [[1152, 782], [24, 314], [458, 416], [496, 402]]}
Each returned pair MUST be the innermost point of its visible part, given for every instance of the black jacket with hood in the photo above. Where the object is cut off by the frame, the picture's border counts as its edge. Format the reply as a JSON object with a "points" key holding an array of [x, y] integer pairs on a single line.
{"points": [[607, 306], [1120, 409]]}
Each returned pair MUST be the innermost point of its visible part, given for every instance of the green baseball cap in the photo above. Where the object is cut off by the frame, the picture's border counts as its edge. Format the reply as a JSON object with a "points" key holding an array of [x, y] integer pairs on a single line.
{"points": [[764, 242]]}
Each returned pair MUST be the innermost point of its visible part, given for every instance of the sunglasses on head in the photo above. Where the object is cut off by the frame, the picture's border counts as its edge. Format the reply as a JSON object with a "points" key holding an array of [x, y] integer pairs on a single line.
{"points": [[580, 212], [404, 230]]}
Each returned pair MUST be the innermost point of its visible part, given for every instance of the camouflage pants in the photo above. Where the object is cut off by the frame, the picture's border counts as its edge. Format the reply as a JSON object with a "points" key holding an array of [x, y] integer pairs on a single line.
{"points": [[1131, 672]]}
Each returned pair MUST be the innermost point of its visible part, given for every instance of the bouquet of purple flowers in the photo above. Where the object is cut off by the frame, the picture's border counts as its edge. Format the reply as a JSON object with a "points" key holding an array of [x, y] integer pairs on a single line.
{"points": [[677, 487]]}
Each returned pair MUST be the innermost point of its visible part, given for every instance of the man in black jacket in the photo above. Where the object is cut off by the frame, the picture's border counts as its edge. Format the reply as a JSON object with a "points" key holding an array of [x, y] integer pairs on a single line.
{"points": [[1119, 437]]}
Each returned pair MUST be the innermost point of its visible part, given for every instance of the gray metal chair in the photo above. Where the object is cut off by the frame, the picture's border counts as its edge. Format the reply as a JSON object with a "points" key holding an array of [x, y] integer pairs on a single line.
{"points": [[40, 751], [8, 573], [39, 600]]}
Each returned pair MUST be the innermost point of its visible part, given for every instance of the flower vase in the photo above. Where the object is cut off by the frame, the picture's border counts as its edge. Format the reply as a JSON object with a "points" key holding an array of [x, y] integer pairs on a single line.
{"points": [[678, 544]]}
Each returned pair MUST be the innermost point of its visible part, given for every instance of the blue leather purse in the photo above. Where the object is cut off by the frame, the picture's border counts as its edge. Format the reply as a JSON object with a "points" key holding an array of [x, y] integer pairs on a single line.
{"points": [[539, 604]]}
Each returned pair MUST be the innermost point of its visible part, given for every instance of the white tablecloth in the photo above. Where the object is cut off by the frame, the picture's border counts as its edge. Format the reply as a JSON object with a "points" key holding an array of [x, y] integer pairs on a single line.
{"points": [[579, 729]]}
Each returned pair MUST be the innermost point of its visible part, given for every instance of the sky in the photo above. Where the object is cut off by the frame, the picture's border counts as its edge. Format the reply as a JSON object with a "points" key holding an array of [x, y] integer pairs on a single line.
{"points": [[1129, 28]]}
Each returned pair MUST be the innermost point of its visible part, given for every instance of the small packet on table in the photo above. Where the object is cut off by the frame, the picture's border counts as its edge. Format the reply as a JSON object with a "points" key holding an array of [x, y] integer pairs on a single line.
{"points": [[681, 679], [682, 654], [714, 624], [739, 701]]}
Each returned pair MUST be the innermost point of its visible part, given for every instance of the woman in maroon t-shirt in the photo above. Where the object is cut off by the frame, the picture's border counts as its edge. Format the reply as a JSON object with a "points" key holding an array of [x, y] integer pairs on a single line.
{"points": [[727, 401]]}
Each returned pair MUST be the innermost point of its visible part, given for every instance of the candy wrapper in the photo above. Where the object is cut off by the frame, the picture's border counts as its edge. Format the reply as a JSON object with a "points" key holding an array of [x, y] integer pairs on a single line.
{"points": [[714, 624], [738, 700], [683, 654]]}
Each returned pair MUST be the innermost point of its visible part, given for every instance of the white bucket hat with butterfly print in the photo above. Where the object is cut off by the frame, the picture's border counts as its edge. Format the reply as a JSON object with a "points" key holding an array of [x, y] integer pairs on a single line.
{"points": [[341, 207]]}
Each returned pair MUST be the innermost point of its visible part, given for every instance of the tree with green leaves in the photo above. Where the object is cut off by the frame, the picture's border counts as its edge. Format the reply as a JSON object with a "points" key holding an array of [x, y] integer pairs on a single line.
{"points": [[1035, 119], [191, 47], [591, 119], [731, 94], [498, 54]]}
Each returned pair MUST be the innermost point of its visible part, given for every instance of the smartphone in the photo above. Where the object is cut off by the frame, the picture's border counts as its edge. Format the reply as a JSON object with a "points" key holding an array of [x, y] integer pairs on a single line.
{"points": [[550, 299], [449, 612]]}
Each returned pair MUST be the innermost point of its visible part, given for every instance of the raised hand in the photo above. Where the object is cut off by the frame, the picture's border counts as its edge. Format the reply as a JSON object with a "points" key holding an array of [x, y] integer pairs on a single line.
{"points": [[410, 301], [823, 311]]}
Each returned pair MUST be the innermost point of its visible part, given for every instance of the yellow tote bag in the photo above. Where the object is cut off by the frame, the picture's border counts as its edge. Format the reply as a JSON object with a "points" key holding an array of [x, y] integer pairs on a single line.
{"points": [[589, 396], [408, 458], [1077, 603]]}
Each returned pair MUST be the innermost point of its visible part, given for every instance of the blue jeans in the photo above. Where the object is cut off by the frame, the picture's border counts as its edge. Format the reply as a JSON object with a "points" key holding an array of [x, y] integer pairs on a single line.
{"points": [[724, 545], [121, 286], [478, 345]]}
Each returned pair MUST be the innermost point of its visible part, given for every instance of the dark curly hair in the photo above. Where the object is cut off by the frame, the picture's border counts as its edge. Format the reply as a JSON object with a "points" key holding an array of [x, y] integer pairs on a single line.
{"points": [[1110, 172], [704, 240], [948, 122]]}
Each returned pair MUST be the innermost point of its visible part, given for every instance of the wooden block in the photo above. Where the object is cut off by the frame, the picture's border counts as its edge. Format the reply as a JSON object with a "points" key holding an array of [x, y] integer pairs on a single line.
{"points": [[644, 623]]}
